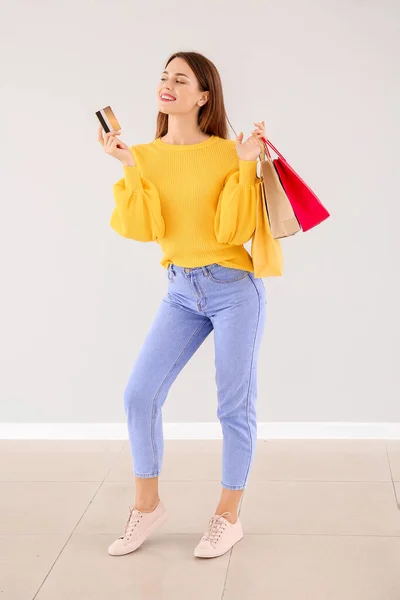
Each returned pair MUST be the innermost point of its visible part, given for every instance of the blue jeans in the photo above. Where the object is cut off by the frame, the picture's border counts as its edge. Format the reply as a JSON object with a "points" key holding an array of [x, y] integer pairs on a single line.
{"points": [[232, 302]]}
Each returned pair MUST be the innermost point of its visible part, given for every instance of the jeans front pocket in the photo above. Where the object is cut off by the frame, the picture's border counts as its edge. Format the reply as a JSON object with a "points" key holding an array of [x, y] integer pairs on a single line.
{"points": [[221, 274]]}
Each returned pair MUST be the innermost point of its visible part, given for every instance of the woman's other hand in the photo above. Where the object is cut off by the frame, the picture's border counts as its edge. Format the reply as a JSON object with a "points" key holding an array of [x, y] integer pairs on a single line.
{"points": [[251, 148], [114, 147]]}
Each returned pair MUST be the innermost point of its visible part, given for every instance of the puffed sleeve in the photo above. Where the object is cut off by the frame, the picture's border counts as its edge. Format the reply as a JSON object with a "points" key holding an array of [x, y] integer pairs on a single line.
{"points": [[235, 218], [137, 212]]}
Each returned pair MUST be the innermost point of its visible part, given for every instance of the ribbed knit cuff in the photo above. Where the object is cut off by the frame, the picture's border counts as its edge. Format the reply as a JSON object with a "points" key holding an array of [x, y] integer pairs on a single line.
{"points": [[132, 179], [247, 172]]}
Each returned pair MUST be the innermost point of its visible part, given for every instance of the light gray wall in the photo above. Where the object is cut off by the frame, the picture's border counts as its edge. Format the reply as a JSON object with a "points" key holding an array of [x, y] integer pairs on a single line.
{"points": [[77, 299]]}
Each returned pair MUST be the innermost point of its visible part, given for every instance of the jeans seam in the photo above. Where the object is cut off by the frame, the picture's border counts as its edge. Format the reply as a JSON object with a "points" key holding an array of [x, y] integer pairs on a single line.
{"points": [[250, 380], [156, 468]]}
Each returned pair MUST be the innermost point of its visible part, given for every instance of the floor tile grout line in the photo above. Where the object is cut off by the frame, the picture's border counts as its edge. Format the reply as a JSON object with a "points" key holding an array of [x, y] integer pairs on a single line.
{"points": [[391, 476], [232, 549], [227, 573], [199, 480], [196, 533], [266, 481], [76, 524]]}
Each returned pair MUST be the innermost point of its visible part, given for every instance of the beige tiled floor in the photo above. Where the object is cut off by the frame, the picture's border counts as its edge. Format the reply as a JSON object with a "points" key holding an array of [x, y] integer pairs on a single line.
{"points": [[321, 520]]}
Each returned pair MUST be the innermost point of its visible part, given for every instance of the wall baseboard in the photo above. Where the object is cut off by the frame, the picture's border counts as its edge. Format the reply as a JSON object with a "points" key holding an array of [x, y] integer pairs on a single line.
{"points": [[201, 431]]}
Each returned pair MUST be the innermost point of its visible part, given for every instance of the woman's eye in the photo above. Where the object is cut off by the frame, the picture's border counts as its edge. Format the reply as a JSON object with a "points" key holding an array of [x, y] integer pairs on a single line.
{"points": [[164, 79]]}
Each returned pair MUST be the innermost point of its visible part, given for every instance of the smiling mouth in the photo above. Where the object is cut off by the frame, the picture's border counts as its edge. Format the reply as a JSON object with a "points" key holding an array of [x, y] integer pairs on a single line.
{"points": [[167, 99]]}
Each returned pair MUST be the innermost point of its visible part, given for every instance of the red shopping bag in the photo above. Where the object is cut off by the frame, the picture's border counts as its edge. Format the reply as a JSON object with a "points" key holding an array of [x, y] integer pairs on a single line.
{"points": [[306, 205]]}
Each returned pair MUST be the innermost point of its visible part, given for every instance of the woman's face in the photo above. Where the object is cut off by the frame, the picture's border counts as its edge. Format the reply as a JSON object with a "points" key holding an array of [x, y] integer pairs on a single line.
{"points": [[180, 82]]}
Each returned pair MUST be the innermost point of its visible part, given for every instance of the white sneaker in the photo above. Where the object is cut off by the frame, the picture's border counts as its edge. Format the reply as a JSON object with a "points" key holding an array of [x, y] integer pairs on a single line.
{"points": [[219, 538], [137, 528]]}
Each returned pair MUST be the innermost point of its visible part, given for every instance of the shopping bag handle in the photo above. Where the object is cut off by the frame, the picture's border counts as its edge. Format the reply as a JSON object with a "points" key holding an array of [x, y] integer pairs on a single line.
{"points": [[268, 143]]}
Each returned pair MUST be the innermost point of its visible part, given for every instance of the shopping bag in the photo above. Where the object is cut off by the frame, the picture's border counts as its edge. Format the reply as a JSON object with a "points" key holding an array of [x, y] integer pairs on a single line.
{"points": [[266, 252], [282, 218], [306, 205]]}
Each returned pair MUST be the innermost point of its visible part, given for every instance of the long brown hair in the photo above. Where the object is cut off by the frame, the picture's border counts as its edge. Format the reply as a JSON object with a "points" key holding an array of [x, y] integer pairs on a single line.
{"points": [[212, 115]]}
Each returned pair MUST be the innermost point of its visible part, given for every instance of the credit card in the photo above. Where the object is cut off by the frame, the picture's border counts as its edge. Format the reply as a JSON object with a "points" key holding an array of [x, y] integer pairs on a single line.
{"points": [[107, 119]]}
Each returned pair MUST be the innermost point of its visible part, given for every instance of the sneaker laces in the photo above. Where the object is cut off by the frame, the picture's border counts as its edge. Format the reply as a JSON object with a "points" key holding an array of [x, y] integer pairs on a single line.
{"points": [[216, 526], [133, 519]]}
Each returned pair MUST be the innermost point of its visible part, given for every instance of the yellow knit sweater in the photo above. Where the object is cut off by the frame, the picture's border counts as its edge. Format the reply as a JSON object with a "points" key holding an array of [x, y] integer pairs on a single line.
{"points": [[197, 201]]}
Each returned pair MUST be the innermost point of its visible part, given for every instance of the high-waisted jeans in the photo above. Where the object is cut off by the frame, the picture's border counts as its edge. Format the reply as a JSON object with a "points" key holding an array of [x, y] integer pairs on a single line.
{"points": [[232, 302]]}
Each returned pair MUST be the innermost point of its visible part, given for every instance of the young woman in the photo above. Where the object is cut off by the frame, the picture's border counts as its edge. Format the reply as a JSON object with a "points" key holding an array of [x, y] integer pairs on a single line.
{"points": [[193, 191]]}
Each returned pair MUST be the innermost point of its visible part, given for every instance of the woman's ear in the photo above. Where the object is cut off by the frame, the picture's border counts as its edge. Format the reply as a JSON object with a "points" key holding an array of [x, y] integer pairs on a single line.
{"points": [[204, 100]]}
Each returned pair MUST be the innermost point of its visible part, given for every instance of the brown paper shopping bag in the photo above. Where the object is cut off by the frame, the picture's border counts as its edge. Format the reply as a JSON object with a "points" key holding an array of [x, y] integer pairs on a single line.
{"points": [[282, 219]]}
